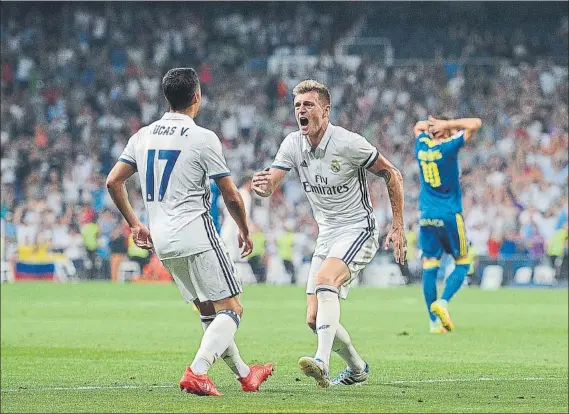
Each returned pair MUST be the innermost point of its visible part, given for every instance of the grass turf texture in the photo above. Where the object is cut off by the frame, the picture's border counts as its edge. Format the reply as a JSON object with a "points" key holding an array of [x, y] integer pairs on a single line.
{"points": [[142, 336]]}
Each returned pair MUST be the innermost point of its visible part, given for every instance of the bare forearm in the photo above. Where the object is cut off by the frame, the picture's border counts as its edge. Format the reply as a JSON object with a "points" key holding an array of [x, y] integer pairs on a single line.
{"points": [[394, 181], [120, 198], [236, 208], [275, 184], [265, 182], [471, 124]]}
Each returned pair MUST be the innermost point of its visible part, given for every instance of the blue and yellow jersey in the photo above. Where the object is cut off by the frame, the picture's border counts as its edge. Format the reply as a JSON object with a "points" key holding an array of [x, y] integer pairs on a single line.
{"points": [[440, 193]]}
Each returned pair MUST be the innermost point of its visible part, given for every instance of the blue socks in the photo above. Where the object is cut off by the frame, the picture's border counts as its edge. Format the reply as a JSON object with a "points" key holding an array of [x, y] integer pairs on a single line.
{"points": [[455, 281], [430, 270]]}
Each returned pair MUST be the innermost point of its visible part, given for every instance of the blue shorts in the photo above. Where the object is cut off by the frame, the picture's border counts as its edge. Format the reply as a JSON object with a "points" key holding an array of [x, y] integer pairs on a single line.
{"points": [[443, 234]]}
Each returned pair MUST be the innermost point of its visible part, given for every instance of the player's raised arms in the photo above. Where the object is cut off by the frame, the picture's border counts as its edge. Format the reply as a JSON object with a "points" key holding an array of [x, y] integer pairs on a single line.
{"points": [[468, 125]]}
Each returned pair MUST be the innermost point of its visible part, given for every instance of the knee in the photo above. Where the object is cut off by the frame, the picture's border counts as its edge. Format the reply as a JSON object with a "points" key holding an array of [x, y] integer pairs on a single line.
{"points": [[431, 263], [233, 304], [462, 261], [238, 309], [333, 272], [322, 278]]}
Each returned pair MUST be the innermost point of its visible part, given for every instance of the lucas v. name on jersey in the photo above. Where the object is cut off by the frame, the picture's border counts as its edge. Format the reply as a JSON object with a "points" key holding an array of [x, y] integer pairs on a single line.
{"points": [[168, 130]]}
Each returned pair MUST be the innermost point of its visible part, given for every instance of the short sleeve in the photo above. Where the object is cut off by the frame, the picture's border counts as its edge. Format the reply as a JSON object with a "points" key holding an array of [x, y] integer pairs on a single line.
{"points": [[454, 143], [362, 153], [128, 155], [419, 141], [212, 158], [284, 160]]}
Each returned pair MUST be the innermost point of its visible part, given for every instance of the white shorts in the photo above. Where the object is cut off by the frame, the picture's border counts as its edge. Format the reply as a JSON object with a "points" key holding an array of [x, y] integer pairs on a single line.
{"points": [[210, 275], [355, 247]]}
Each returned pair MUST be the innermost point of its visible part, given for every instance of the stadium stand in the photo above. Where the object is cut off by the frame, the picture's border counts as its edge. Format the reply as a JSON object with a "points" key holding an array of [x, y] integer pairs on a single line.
{"points": [[76, 87]]}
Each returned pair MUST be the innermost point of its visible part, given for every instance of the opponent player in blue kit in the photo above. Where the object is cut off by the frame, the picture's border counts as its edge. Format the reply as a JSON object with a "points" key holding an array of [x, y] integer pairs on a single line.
{"points": [[438, 142]]}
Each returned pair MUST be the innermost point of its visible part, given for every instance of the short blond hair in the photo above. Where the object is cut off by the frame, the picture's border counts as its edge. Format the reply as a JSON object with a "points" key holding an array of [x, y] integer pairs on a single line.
{"points": [[310, 85]]}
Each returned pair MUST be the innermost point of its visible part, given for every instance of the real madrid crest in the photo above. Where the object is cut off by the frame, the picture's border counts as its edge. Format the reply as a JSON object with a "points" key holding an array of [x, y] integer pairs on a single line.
{"points": [[335, 166]]}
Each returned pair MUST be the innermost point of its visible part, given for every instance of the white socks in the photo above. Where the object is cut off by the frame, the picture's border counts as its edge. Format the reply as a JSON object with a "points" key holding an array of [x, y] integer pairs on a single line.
{"points": [[343, 346], [231, 355], [327, 320], [215, 341]]}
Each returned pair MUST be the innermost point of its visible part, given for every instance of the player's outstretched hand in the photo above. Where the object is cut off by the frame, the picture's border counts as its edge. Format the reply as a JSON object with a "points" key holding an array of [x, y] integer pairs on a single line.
{"points": [[141, 236], [396, 236], [245, 244], [260, 181], [436, 125]]}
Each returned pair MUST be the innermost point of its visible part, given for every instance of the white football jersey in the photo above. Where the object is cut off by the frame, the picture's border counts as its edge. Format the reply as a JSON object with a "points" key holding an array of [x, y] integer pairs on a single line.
{"points": [[175, 159], [332, 176]]}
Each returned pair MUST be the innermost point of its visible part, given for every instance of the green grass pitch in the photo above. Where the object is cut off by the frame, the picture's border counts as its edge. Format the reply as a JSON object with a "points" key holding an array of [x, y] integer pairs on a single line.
{"points": [[98, 347]]}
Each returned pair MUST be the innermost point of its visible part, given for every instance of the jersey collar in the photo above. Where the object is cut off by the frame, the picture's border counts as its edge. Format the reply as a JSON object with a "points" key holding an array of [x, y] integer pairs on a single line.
{"points": [[178, 116], [321, 148]]}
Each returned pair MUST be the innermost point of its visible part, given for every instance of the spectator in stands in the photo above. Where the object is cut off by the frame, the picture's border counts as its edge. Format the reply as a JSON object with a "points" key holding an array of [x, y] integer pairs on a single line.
{"points": [[535, 243], [495, 245], [118, 248], [557, 248], [564, 270], [257, 259], [67, 110], [75, 250], [90, 233], [285, 244], [137, 254], [510, 245]]}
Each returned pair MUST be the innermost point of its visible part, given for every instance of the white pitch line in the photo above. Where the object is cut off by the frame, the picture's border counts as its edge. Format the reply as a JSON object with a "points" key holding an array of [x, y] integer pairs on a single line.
{"points": [[399, 382], [89, 388], [429, 381]]}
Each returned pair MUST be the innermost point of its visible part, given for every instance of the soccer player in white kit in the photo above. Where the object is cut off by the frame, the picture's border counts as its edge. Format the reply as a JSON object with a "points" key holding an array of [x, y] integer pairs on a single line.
{"points": [[175, 158], [332, 163]]}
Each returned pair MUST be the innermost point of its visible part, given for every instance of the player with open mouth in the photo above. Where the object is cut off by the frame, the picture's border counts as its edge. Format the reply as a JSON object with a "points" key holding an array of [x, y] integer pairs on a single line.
{"points": [[303, 122], [331, 163]]}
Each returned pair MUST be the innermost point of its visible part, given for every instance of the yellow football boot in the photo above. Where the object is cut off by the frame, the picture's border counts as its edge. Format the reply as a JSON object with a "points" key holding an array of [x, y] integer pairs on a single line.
{"points": [[439, 308]]}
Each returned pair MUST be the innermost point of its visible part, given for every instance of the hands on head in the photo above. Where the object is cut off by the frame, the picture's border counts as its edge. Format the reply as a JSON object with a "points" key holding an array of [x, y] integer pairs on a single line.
{"points": [[437, 127]]}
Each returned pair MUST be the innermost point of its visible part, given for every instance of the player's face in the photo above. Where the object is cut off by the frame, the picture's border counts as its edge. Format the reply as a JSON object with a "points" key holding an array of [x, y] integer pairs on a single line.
{"points": [[311, 113], [442, 134]]}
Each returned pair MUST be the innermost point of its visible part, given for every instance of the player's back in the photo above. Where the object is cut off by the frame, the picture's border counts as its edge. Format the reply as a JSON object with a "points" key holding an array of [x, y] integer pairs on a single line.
{"points": [[175, 159], [440, 193]]}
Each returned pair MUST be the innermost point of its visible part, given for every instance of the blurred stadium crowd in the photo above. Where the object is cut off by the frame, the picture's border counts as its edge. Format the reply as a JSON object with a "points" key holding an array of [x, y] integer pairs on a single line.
{"points": [[78, 80]]}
